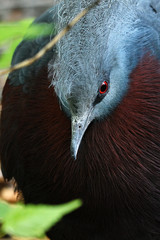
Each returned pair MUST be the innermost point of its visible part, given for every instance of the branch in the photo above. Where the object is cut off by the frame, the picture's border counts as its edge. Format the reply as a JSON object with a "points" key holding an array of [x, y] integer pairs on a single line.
{"points": [[47, 47]]}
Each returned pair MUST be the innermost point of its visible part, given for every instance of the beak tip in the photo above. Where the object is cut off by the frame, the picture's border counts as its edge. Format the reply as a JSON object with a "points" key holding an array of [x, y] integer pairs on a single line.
{"points": [[75, 158], [74, 152], [79, 126]]}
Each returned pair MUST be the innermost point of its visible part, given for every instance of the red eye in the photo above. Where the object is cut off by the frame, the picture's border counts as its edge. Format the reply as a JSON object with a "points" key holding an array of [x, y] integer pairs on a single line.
{"points": [[104, 87]]}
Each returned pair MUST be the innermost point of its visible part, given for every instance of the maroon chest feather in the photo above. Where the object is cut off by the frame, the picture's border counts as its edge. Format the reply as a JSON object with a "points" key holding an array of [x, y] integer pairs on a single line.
{"points": [[117, 171]]}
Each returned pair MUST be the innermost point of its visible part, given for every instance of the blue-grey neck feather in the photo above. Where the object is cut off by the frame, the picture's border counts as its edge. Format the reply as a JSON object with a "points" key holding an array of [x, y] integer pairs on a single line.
{"points": [[105, 45]]}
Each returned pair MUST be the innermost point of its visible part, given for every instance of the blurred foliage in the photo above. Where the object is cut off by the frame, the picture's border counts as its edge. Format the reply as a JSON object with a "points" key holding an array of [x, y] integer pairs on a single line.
{"points": [[13, 33], [32, 220], [10, 37]]}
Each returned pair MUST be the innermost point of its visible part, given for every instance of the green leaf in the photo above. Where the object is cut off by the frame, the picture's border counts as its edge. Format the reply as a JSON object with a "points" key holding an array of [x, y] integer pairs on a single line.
{"points": [[34, 221], [40, 29], [4, 210], [9, 48], [13, 30], [2, 234], [13, 33]]}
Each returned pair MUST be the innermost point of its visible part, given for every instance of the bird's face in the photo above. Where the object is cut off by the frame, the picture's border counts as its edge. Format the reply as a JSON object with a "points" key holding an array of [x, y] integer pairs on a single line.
{"points": [[95, 100], [92, 99]]}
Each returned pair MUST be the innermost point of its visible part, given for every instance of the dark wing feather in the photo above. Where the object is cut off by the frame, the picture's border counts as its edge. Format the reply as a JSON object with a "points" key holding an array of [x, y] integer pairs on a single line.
{"points": [[16, 92], [29, 47]]}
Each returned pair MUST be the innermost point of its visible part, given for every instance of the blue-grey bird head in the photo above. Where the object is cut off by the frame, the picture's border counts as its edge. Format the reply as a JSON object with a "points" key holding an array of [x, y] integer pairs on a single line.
{"points": [[95, 59]]}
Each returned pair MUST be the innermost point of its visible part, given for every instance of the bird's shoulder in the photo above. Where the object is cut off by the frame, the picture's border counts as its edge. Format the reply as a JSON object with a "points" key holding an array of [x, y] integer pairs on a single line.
{"points": [[30, 46]]}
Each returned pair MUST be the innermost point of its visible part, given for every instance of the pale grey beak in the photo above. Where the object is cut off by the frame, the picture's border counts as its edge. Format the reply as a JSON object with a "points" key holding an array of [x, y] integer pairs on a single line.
{"points": [[79, 126]]}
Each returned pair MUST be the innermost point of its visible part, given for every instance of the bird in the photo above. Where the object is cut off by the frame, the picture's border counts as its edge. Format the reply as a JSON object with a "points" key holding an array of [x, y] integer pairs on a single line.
{"points": [[83, 122]]}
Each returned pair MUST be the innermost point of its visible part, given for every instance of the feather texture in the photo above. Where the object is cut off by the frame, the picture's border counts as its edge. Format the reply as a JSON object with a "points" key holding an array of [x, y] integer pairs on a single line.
{"points": [[117, 172]]}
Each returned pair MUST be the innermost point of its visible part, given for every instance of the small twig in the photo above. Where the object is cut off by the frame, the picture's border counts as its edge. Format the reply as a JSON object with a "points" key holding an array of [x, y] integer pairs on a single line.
{"points": [[47, 47]]}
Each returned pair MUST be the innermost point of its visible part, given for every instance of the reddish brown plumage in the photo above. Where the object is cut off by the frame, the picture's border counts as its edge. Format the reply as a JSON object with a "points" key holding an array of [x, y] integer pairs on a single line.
{"points": [[117, 168]]}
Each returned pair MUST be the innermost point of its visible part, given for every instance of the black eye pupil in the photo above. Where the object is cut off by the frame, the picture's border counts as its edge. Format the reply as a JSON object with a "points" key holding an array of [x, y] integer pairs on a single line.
{"points": [[103, 88]]}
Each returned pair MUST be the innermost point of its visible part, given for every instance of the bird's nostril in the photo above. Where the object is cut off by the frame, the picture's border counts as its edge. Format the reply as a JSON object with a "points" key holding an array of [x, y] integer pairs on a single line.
{"points": [[79, 126]]}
